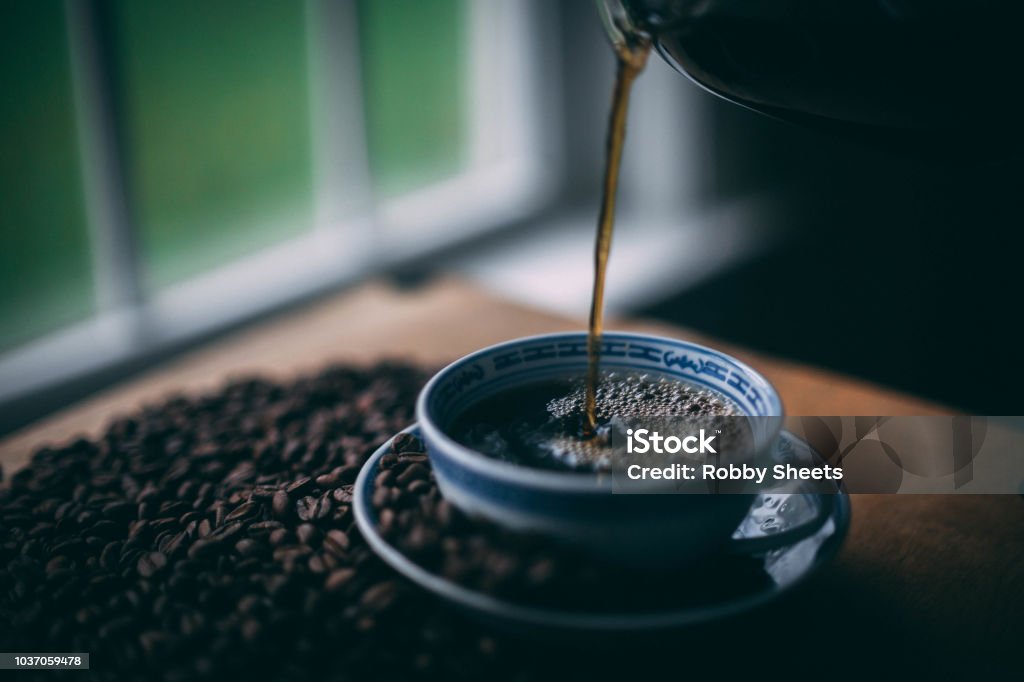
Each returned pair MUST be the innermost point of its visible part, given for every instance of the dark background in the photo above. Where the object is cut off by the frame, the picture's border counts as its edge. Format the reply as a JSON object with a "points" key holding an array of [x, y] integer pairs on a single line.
{"points": [[900, 269]]}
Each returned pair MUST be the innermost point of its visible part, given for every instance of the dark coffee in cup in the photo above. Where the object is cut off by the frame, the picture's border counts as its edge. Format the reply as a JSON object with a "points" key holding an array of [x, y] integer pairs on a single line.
{"points": [[544, 424]]}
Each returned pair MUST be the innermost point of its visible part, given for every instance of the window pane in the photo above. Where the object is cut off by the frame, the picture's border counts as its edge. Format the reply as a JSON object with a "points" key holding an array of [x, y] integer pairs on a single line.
{"points": [[217, 130], [45, 270], [413, 74]]}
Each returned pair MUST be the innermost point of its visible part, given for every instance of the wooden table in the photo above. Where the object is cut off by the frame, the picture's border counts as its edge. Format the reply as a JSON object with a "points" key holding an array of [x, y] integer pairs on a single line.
{"points": [[925, 576]]}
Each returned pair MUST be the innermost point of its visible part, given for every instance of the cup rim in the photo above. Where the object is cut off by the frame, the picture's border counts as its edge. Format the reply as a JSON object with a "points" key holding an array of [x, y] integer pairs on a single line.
{"points": [[540, 478]]}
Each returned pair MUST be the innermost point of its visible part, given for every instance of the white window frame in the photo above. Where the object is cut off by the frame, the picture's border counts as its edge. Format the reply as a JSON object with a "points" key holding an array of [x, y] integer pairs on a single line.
{"points": [[511, 173]]}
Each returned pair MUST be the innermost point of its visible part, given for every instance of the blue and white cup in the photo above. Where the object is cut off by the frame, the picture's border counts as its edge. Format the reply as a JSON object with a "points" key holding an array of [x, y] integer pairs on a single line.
{"points": [[579, 508]]}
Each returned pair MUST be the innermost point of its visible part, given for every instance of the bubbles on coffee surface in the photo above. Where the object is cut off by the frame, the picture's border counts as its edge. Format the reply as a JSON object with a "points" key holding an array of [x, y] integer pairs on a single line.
{"points": [[641, 395], [542, 424]]}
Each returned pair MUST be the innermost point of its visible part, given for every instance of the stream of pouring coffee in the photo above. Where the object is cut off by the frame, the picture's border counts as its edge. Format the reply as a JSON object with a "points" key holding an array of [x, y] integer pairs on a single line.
{"points": [[631, 59]]}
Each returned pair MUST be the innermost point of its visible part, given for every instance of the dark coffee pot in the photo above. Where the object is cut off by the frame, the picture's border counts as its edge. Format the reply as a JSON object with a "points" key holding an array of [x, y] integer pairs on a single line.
{"points": [[912, 70]]}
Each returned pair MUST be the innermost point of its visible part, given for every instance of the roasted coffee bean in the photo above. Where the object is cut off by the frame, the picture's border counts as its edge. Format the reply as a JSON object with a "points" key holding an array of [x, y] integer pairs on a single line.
{"points": [[164, 523], [406, 442], [313, 508], [110, 555], [324, 507], [247, 547], [337, 540], [300, 486], [382, 497], [251, 604], [162, 538], [226, 532], [151, 562], [119, 510], [262, 493], [175, 543], [342, 514], [63, 510], [291, 552], [57, 564], [173, 508], [40, 529], [281, 503], [307, 533], [380, 596], [347, 474], [327, 481], [412, 473], [384, 479], [71, 547], [261, 528], [242, 511], [203, 548], [337, 580], [220, 510], [386, 520], [293, 451], [419, 487], [280, 537], [316, 564]]}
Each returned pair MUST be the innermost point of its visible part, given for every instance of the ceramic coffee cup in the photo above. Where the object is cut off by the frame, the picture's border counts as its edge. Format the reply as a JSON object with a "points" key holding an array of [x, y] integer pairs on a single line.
{"points": [[579, 508]]}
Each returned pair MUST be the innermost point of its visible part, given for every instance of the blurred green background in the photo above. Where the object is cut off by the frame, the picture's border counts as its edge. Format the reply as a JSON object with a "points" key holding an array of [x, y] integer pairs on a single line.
{"points": [[215, 100], [45, 272]]}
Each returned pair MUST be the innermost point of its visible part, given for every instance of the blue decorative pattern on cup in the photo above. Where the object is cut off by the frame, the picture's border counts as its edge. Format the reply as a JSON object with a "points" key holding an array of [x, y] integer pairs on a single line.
{"points": [[494, 368]]}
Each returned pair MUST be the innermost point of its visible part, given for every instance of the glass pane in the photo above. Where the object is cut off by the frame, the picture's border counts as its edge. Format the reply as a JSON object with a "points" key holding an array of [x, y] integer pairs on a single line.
{"points": [[413, 54], [45, 270], [217, 128]]}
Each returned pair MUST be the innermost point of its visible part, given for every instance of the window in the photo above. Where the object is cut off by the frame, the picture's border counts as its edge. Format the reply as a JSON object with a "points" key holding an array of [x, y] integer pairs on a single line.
{"points": [[45, 272], [173, 168], [216, 127], [414, 68]]}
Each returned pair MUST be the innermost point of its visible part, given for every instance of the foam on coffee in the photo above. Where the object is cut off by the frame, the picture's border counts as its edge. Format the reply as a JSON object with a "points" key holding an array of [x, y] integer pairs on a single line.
{"points": [[641, 395]]}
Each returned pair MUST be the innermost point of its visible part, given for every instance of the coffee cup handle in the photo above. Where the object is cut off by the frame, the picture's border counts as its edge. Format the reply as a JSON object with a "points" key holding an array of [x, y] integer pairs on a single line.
{"points": [[767, 543]]}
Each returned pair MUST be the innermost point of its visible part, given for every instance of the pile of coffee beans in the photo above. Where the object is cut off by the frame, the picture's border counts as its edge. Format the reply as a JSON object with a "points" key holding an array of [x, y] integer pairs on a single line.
{"points": [[213, 537], [530, 569]]}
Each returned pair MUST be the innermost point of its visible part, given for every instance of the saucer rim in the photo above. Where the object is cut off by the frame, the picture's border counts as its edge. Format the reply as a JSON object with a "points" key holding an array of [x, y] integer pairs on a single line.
{"points": [[539, 616]]}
